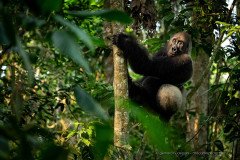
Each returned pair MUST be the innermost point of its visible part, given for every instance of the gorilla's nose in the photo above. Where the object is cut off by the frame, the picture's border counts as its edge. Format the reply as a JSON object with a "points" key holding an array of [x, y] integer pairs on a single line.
{"points": [[174, 49]]}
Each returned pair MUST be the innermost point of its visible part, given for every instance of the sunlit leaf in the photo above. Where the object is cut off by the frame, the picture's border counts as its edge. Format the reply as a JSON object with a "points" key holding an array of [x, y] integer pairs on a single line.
{"points": [[71, 134], [223, 23], [111, 15], [81, 34], [88, 104], [66, 45]]}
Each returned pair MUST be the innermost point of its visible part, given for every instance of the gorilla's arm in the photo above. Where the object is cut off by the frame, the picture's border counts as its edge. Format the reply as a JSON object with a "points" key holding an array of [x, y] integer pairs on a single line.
{"points": [[160, 66]]}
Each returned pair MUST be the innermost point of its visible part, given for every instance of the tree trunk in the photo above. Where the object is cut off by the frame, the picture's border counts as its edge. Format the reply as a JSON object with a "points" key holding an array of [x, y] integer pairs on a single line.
{"points": [[196, 132], [120, 83], [107, 32], [198, 97]]}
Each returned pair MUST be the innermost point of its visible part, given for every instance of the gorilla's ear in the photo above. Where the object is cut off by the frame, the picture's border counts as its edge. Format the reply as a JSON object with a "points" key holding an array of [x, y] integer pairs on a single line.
{"points": [[170, 98]]}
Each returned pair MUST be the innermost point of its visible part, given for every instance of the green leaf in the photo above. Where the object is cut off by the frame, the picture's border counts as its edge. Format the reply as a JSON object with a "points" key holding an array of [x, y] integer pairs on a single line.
{"points": [[88, 104], [7, 31], [66, 45], [81, 34], [51, 5], [111, 15], [158, 131], [223, 23], [44, 6], [71, 134], [103, 139], [98, 42]]}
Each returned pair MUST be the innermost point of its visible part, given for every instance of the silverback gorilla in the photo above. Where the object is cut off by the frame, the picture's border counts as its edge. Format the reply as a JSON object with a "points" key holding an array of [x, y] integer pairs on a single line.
{"points": [[163, 74]]}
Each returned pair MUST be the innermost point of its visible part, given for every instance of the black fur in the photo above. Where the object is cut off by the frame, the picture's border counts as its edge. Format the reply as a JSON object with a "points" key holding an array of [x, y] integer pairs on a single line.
{"points": [[157, 70]]}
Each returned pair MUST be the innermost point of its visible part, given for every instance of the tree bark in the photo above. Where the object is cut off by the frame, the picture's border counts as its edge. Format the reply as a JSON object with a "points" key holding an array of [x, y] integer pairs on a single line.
{"points": [[120, 84], [197, 99], [121, 94]]}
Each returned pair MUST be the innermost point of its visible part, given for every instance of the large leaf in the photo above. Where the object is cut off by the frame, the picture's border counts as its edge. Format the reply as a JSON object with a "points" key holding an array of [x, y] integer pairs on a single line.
{"points": [[111, 15], [103, 139], [49, 6], [159, 132], [81, 35], [88, 104], [31, 22], [44, 6], [66, 45], [7, 31]]}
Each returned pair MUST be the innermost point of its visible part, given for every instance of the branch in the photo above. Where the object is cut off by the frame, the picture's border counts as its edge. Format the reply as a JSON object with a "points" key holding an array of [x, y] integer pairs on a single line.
{"points": [[215, 51]]}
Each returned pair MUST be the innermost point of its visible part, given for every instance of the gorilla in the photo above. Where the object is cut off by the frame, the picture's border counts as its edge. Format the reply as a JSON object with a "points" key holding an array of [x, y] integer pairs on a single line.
{"points": [[163, 74]]}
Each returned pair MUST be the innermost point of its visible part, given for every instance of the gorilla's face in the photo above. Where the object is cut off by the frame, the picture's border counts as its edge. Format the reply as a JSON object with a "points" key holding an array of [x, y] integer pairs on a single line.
{"points": [[179, 44]]}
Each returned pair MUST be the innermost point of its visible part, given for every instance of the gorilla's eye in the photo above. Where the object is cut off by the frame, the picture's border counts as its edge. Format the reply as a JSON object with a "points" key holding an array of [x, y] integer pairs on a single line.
{"points": [[174, 40], [180, 44]]}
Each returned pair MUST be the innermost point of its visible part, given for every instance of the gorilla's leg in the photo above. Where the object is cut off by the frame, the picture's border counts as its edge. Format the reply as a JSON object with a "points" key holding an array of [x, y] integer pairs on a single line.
{"points": [[170, 99]]}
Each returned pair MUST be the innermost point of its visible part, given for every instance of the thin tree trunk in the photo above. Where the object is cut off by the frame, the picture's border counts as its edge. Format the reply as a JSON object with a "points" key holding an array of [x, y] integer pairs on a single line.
{"points": [[107, 32], [198, 105], [197, 102], [198, 97], [120, 83], [120, 93]]}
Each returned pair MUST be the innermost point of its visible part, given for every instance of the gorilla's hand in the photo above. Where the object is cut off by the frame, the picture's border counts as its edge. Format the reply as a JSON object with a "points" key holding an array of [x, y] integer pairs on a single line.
{"points": [[122, 41]]}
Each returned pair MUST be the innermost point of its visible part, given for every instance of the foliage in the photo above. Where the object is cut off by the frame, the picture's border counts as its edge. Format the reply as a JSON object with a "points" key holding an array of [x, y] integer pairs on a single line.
{"points": [[165, 142], [39, 113]]}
